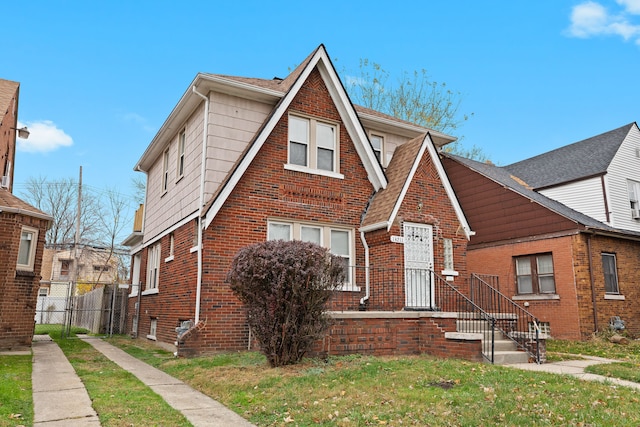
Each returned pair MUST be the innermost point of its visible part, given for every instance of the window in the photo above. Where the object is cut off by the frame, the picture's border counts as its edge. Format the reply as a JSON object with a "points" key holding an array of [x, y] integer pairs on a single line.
{"points": [[65, 268], [165, 171], [171, 244], [43, 292], [312, 144], [337, 240], [135, 275], [610, 273], [153, 266], [447, 251], [534, 274], [153, 328], [99, 268], [27, 248], [181, 150], [634, 198], [377, 143]]}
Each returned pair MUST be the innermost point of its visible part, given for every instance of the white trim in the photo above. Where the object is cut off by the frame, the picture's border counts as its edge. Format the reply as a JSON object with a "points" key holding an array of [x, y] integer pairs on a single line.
{"points": [[150, 292], [352, 125], [194, 249], [169, 258], [306, 169], [33, 247], [169, 230], [615, 297]]}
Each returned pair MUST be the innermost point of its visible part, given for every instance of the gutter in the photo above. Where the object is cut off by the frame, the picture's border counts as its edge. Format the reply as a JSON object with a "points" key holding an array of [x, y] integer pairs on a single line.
{"points": [[202, 181], [593, 286]]}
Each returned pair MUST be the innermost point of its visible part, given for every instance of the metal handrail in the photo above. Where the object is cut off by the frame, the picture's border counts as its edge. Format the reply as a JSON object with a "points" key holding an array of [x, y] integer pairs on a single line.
{"points": [[513, 320]]}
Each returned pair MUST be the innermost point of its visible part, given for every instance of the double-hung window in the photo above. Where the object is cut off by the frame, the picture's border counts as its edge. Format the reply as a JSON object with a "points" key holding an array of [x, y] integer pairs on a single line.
{"points": [[165, 171], [181, 152], [313, 144], [534, 274], [27, 248], [337, 240], [377, 143], [610, 273], [634, 198], [153, 267]]}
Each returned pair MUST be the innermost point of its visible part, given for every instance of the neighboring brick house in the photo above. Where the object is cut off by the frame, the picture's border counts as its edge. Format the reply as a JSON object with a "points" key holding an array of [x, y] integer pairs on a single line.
{"points": [[574, 270], [22, 236], [243, 160]]}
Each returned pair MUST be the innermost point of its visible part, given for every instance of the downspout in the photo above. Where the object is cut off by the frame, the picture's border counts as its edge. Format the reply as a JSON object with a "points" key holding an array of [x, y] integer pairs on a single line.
{"points": [[593, 286], [202, 181], [367, 293]]}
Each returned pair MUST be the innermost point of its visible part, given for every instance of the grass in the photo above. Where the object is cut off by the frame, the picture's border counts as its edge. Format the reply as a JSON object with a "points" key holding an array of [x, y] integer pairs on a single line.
{"points": [[118, 397], [416, 390], [16, 405]]}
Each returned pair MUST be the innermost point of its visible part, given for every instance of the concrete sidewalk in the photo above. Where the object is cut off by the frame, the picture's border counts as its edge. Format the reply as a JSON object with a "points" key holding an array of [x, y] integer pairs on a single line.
{"points": [[198, 408], [576, 368], [59, 397]]}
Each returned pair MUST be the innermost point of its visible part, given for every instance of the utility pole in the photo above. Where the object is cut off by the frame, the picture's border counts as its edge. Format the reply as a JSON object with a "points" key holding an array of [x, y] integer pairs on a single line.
{"points": [[76, 261]]}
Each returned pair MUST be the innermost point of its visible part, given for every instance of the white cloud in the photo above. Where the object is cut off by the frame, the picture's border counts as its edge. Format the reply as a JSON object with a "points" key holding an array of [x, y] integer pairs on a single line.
{"points": [[590, 19], [631, 6], [44, 136]]}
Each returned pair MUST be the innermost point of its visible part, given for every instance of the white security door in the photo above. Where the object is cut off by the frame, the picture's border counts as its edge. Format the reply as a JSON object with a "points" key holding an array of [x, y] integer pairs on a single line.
{"points": [[418, 264]]}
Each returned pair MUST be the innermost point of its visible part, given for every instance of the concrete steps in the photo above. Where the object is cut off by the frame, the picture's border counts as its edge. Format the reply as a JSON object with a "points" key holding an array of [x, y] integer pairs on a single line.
{"points": [[505, 351]]}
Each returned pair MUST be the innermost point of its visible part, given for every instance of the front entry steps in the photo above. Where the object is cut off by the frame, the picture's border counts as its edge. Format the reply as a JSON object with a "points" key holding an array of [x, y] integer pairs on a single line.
{"points": [[505, 351]]}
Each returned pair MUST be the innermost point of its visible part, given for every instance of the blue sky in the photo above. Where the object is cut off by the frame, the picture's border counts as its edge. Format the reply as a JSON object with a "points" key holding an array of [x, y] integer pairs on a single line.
{"points": [[99, 78]]}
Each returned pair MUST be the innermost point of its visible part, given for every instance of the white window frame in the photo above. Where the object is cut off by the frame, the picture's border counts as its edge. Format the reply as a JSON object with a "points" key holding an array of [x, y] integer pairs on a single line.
{"points": [[325, 238], [165, 171], [378, 151], [135, 274], [313, 147], [153, 328], [634, 198], [182, 143], [31, 250], [171, 247], [153, 269]]}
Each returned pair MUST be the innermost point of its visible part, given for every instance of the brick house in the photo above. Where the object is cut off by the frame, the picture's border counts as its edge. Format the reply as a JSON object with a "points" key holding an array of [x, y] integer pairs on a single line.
{"points": [[560, 231], [243, 160], [22, 236]]}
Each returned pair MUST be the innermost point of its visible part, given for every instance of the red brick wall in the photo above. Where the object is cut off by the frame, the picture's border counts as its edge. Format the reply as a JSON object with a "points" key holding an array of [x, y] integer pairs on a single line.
{"points": [[395, 335], [562, 313], [19, 290], [628, 269]]}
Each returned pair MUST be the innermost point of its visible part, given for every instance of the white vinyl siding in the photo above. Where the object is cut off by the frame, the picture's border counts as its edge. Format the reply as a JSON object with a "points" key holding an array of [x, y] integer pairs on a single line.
{"points": [[586, 196], [624, 167], [233, 122]]}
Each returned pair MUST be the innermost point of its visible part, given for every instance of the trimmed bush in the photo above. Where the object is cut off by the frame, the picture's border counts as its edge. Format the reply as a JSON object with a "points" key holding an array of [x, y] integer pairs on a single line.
{"points": [[285, 287]]}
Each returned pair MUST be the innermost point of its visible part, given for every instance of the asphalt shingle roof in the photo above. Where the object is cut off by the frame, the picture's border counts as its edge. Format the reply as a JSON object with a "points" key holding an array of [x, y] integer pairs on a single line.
{"points": [[582, 159], [514, 183], [7, 90]]}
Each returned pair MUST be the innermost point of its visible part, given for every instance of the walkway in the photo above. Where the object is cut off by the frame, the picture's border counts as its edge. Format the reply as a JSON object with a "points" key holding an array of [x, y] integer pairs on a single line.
{"points": [[576, 368], [60, 399]]}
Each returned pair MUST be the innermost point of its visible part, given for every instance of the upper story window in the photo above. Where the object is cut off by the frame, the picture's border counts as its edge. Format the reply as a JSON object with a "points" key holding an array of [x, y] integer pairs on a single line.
{"points": [[337, 240], [534, 274], [165, 171], [181, 150], [610, 273], [377, 142], [153, 266], [634, 198], [313, 145], [65, 268], [27, 249]]}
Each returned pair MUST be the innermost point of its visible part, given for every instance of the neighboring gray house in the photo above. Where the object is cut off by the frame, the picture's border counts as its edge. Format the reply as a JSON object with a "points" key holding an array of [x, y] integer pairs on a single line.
{"points": [[599, 176]]}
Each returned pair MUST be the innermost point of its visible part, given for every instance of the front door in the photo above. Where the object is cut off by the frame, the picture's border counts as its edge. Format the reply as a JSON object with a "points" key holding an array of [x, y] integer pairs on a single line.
{"points": [[418, 265]]}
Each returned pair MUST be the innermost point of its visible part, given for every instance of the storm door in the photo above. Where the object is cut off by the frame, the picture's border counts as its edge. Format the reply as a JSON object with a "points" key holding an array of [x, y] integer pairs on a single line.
{"points": [[418, 265]]}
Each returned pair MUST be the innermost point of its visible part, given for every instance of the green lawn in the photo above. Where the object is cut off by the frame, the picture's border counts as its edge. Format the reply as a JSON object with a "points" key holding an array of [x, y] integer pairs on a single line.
{"points": [[416, 390], [16, 405]]}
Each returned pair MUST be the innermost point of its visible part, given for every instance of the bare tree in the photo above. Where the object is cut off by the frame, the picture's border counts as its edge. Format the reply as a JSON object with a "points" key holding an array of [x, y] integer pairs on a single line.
{"points": [[139, 188], [414, 97], [60, 200], [116, 216]]}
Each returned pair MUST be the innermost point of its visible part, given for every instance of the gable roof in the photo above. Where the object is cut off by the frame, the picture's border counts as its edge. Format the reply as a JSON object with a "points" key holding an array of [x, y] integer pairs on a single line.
{"points": [[10, 203], [8, 90], [582, 159], [511, 182], [405, 161], [318, 59]]}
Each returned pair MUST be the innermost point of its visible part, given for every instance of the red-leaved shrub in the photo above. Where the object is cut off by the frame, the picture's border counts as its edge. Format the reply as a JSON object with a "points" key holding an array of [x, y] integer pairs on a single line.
{"points": [[285, 287]]}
